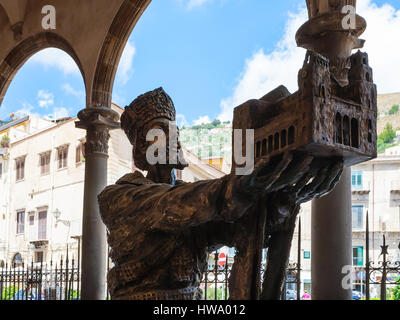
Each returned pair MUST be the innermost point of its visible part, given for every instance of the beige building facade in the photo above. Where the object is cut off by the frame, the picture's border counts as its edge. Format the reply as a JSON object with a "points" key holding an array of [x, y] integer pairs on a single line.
{"points": [[45, 171], [376, 191]]}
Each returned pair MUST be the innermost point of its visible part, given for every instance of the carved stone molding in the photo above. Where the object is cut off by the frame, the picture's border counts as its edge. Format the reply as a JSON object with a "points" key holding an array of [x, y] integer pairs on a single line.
{"points": [[97, 122], [17, 29]]}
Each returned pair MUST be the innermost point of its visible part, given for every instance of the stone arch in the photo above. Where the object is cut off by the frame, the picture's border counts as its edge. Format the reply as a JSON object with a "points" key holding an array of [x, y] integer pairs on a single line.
{"points": [[26, 49], [113, 46]]}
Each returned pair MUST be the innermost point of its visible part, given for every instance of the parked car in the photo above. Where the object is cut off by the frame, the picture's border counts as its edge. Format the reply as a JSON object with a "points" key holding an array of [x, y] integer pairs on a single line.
{"points": [[357, 295]]}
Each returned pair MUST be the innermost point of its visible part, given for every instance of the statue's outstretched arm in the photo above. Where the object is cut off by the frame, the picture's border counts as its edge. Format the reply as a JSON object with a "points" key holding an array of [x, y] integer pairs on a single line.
{"points": [[152, 206]]}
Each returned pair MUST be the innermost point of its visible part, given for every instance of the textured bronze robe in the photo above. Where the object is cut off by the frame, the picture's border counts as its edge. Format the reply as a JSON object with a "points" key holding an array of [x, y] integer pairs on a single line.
{"points": [[160, 234]]}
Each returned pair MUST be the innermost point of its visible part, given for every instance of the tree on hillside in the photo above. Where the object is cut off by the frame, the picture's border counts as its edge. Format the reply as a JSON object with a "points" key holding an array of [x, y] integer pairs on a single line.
{"points": [[216, 123], [388, 134], [394, 109]]}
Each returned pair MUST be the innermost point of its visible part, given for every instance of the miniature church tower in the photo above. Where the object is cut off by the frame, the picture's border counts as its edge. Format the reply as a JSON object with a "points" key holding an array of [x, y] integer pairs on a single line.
{"points": [[334, 112]]}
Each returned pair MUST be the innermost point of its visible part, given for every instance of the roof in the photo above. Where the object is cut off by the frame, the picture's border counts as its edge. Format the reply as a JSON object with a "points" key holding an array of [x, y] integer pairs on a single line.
{"points": [[197, 164], [13, 123], [57, 125]]}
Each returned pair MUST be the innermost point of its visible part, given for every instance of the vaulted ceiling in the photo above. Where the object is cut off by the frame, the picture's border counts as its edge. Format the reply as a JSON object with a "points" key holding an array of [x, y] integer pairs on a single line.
{"points": [[92, 32]]}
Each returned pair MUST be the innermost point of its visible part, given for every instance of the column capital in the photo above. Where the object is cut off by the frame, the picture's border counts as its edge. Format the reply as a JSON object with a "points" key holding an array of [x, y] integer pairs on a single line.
{"points": [[97, 121]]}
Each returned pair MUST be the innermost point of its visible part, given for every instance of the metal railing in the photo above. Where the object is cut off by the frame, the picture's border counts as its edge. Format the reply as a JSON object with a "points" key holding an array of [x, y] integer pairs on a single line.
{"points": [[40, 281], [62, 280]]}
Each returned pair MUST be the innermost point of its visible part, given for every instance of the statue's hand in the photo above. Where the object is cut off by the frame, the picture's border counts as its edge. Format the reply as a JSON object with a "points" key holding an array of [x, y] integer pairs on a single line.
{"points": [[265, 175], [306, 178], [323, 175], [301, 175]]}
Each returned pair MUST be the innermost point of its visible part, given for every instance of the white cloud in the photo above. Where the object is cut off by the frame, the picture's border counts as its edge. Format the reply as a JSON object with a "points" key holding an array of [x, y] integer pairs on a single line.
{"points": [[381, 43], [181, 120], [264, 72], [196, 3], [56, 58], [45, 98], [125, 65], [202, 120], [68, 89], [190, 4], [26, 110], [59, 113]]}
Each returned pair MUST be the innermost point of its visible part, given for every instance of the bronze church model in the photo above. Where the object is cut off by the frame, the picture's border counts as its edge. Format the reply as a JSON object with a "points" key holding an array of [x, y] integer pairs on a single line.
{"points": [[334, 111]]}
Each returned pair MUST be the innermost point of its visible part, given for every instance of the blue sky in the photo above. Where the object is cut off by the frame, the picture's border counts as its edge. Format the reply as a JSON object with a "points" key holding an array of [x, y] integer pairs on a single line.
{"points": [[209, 55]]}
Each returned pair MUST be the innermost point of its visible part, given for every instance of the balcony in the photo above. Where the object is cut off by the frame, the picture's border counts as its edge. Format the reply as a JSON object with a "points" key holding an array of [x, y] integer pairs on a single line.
{"points": [[395, 187], [4, 151], [362, 189], [39, 244]]}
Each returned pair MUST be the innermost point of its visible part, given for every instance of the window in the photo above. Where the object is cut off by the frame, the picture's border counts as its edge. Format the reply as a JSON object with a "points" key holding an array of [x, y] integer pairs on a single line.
{"points": [[31, 219], [45, 163], [291, 135], [20, 169], [20, 222], [78, 157], [356, 180], [354, 133], [38, 256], [42, 226], [62, 157], [357, 217], [358, 259]]}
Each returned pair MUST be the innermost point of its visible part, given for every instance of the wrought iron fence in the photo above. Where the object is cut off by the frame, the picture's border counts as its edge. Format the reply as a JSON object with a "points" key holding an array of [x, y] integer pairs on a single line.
{"points": [[40, 281], [376, 280], [62, 280], [382, 275], [215, 282]]}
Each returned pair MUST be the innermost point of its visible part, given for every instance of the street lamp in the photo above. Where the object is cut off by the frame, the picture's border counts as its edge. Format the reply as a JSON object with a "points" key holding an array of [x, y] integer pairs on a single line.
{"points": [[57, 214]]}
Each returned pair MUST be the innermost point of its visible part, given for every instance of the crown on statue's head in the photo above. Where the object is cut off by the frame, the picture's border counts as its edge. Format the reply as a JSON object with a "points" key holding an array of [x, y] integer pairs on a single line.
{"points": [[145, 108], [151, 105]]}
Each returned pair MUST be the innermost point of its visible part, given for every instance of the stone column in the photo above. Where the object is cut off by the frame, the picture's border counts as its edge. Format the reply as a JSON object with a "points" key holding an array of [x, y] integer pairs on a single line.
{"points": [[331, 241], [97, 122]]}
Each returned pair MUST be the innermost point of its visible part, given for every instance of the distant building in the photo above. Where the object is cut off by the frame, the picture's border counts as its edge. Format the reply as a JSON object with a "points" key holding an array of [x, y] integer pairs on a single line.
{"points": [[393, 151], [41, 186], [44, 169], [376, 190]]}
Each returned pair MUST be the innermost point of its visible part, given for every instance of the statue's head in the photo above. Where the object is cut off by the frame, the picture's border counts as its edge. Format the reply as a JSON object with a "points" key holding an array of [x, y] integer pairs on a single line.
{"points": [[152, 110]]}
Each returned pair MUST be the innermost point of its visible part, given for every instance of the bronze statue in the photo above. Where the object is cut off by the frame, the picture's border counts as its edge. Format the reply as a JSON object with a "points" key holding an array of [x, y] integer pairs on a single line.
{"points": [[160, 229]]}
